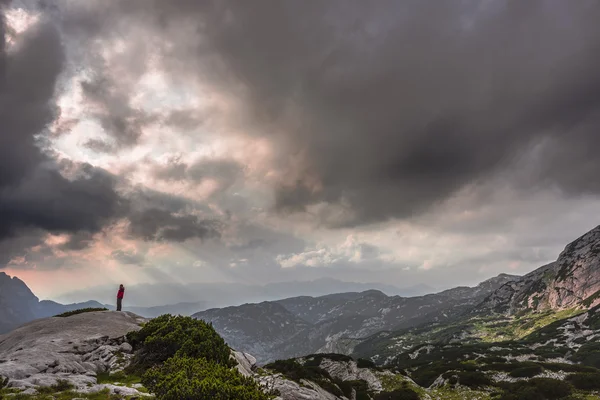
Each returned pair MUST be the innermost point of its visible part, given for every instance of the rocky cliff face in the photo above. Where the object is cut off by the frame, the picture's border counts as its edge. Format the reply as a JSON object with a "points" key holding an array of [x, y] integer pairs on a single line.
{"points": [[572, 281], [578, 276], [334, 323]]}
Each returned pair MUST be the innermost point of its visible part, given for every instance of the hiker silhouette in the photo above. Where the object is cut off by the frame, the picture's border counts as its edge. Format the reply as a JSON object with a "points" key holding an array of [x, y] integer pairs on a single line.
{"points": [[120, 295]]}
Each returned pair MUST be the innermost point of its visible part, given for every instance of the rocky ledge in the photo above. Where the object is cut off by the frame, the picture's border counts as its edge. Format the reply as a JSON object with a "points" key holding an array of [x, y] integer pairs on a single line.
{"points": [[73, 349]]}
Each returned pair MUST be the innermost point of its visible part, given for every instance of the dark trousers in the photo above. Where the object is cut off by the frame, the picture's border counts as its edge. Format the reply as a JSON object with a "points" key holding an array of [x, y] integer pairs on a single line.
{"points": [[119, 301]]}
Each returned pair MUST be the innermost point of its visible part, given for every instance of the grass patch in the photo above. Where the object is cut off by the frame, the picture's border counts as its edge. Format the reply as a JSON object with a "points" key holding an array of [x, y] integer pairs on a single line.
{"points": [[118, 377], [80, 311], [61, 385]]}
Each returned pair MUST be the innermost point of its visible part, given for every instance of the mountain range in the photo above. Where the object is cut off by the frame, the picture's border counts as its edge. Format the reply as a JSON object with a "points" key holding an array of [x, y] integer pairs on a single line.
{"points": [[219, 294], [373, 325], [18, 304], [334, 323]]}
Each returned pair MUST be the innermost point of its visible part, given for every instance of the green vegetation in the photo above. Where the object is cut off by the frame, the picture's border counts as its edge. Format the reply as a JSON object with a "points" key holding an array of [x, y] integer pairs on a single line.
{"points": [[588, 302], [528, 371], [536, 388], [363, 363], [118, 378], [199, 379], [80, 311], [398, 394], [588, 354], [61, 385], [585, 380], [184, 358], [66, 395], [176, 336]]}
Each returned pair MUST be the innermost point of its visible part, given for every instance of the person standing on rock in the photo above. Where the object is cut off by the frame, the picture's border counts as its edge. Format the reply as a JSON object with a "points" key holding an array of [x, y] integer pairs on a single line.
{"points": [[120, 295]]}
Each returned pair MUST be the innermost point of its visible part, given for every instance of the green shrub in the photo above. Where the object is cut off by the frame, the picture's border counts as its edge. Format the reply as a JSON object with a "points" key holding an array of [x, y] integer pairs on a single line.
{"points": [[61, 385], [585, 380], [315, 359], [364, 363], [167, 336], [198, 379], [80, 311], [360, 387], [3, 382], [568, 367], [398, 394], [588, 354], [473, 379], [526, 372], [536, 389]]}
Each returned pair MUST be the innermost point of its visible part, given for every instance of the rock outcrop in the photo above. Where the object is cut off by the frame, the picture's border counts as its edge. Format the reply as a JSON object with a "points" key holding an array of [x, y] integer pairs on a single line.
{"points": [[572, 281], [578, 276], [73, 349]]}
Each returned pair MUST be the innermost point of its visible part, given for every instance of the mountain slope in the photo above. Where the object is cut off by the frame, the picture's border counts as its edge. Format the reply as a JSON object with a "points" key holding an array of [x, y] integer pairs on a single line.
{"points": [[334, 323], [552, 292], [258, 329], [17, 303], [572, 281]]}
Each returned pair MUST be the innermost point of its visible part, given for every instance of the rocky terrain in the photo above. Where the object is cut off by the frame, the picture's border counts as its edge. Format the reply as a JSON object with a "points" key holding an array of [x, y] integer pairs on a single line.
{"points": [[74, 350], [334, 323]]}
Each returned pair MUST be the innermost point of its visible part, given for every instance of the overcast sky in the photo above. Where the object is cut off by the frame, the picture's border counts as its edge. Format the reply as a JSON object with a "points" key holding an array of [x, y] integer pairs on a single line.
{"points": [[400, 142]]}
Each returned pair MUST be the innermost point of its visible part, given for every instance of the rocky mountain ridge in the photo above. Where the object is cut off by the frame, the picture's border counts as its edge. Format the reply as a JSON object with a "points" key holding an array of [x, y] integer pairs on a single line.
{"points": [[333, 323], [572, 281]]}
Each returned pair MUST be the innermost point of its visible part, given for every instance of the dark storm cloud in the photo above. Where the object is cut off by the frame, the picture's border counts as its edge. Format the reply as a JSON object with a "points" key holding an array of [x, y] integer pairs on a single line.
{"points": [[401, 103], [39, 195], [33, 193], [112, 108], [159, 225]]}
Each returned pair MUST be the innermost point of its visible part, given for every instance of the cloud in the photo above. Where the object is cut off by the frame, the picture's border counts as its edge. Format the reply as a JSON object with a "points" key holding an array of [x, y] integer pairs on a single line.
{"points": [[223, 170], [33, 192], [387, 108], [40, 192], [350, 251], [111, 106], [158, 225], [127, 257]]}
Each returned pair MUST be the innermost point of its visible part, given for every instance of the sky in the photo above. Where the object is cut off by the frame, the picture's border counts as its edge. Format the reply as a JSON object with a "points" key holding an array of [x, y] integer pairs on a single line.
{"points": [[399, 142]]}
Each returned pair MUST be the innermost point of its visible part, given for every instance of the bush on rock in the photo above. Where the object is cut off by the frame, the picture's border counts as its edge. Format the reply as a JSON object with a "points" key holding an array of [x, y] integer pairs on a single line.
{"points": [[198, 379], [184, 358], [168, 336]]}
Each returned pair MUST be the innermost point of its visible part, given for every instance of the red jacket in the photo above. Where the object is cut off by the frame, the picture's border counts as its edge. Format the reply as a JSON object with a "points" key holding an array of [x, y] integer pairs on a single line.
{"points": [[120, 293]]}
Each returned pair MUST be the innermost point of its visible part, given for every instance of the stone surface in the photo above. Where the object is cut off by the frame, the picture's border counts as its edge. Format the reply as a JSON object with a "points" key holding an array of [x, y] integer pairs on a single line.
{"points": [[74, 349], [246, 362], [290, 390], [349, 371]]}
